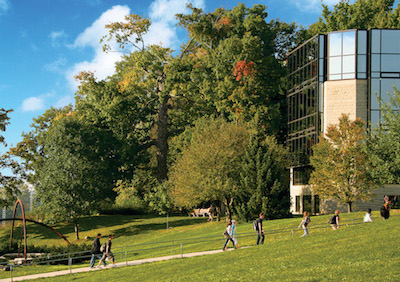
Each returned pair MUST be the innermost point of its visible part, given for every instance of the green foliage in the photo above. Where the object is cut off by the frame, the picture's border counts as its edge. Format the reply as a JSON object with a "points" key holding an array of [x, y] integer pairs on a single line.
{"points": [[340, 163], [384, 143], [264, 180], [209, 167], [362, 14], [78, 170]]}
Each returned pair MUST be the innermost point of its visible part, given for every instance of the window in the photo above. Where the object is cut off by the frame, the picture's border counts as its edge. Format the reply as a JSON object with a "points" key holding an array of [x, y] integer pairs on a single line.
{"points": [[307, 203], [316, 204], [297, 203], [341, 55]]}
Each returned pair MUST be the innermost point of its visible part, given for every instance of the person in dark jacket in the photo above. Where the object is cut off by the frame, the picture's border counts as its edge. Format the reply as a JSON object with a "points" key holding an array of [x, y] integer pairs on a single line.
{"points": [[96, 251], [107, 252]]}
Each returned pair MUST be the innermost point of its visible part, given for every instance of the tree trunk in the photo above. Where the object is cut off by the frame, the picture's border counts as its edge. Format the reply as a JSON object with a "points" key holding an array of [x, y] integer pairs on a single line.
{"points": [[77, 230], [162, 134], [228, 204], [218, 208], [349, 207]]}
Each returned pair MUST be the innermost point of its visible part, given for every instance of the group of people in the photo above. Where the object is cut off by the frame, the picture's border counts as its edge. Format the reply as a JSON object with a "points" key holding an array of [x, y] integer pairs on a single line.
{"points": [[101, 252], [230, 232]]}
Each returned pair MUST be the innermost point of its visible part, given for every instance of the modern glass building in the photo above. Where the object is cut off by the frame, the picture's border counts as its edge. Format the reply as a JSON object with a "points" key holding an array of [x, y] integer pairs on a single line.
{"points": [[330, 74]]}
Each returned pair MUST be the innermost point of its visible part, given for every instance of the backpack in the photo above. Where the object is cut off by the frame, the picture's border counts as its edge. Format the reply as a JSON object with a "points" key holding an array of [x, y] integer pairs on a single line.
{"points": [[103, 248], [255, 225], [332, 220]]}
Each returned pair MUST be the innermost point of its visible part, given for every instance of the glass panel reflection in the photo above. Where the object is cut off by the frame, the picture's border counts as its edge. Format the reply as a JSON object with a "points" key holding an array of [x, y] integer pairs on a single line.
{"points": [[390, 41], [335, 44], [376, 41], [387, 85], [335, 65], [349, 64], [375, 90], [362, 63], [374, 117], [349, 75], [335, 76], [362, 42], [375, 63], [390, 63], [349, 43]]}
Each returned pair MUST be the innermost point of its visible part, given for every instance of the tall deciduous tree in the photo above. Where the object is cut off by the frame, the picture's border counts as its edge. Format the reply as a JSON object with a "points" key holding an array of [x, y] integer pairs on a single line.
{"points": [[340, 163], [384, 143], [264, 180], [77, 170], [209, 167]]}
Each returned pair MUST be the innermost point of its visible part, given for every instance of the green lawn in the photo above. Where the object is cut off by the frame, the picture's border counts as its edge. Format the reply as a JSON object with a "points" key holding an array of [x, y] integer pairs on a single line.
{"points": [[364, 252], [136, 230]]}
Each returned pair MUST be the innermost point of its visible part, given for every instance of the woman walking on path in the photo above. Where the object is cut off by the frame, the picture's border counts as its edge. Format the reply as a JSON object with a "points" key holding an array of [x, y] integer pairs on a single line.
{"points": [[334, 221], [234, 233], [107, 252], [306, 220], [228, 233]]}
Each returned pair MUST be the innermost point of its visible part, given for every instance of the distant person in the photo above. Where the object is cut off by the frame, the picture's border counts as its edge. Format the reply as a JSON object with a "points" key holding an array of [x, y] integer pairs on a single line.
{"points": [[210, 214], [367, 216], [228, 233], [107, 252], [385, 199], [304, 223], [259, 229], [96, 253], [385, 210], [334, 221], [234, 233]]}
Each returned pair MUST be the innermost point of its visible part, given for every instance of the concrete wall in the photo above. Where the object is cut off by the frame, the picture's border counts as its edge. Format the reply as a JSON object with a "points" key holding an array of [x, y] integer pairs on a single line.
{"points": [[344, 97]]}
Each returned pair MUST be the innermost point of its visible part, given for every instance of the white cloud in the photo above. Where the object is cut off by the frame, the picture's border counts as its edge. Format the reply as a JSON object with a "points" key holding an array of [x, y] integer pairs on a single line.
{"points": [[57, 65], [162, 14], [102, 63], [4, 6], [314, 6], [64, 101], [33, 104], [56, 37]]}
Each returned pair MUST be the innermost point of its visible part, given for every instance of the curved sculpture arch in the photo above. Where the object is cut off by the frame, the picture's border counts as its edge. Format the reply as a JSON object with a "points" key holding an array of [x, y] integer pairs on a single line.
{"points": [[24, 220]]}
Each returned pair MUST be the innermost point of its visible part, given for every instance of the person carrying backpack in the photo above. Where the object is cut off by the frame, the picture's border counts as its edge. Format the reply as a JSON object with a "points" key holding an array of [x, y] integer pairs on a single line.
{"points": [[107, 252], [304, 223], [334, 220], [228, 233], [96, 252], [385, 210], [258, 227]]}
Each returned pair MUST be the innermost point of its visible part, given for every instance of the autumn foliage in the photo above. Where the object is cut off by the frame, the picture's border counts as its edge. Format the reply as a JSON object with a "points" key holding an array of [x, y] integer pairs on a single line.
{"points": [[243, 69]]}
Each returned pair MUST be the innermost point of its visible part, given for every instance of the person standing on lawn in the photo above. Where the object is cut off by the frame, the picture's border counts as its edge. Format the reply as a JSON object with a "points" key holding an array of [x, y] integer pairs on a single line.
{"points": [[304, 223], [96, 254], [234, 233], [107, 252], [260, 231], [334, 221]]}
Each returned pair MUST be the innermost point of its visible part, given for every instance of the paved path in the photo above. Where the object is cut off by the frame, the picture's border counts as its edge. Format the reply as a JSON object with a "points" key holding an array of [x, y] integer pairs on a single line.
{"points": [[120, 264]]}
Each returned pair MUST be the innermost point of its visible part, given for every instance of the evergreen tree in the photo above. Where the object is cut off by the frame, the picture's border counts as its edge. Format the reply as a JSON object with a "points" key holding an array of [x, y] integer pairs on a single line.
{"points": [[264, 180]]}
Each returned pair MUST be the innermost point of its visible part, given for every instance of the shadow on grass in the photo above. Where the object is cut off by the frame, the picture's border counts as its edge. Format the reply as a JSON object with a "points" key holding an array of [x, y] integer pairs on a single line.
{"points": [[142, 228]]}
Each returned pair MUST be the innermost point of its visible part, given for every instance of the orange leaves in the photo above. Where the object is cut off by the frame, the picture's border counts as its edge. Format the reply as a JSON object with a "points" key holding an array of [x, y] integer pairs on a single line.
{"points": [[243, 69], [223, 23]]}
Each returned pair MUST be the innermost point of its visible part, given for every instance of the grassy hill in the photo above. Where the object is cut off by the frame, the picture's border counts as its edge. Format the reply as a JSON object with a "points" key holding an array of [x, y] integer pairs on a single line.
{"points": [[369, 251]]}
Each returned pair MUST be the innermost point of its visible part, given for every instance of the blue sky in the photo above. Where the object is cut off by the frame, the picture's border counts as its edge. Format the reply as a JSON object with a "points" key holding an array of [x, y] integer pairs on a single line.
{"points": [[44, 43]]}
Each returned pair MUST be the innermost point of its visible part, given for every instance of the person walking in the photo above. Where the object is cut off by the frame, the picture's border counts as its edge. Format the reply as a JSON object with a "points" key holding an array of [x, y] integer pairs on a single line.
{"points": [[367, 216], [96, 253], [234, 233], [259, 229], [304, 223], [107, 252], [334, 221], [385, 210], [228, 233]]}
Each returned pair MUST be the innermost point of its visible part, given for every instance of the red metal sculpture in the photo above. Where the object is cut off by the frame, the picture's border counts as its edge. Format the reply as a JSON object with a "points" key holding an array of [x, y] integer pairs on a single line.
{"points": [[24, 220]]}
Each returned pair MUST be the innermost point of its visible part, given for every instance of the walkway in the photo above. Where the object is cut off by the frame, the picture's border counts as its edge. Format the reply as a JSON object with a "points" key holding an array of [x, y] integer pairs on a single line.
{"points": [[120, 264]]}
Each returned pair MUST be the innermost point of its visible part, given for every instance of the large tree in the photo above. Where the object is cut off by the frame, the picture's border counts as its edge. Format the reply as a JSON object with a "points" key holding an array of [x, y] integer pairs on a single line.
{"points": [[78, 169], [209, 167], [340, 163], [384, 143], [264, 180]]}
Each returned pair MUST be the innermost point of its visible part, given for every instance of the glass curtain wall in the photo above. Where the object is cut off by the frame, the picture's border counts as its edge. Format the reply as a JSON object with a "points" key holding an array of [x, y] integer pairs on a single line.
{"points": [[385, 68], [302, 96]]}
